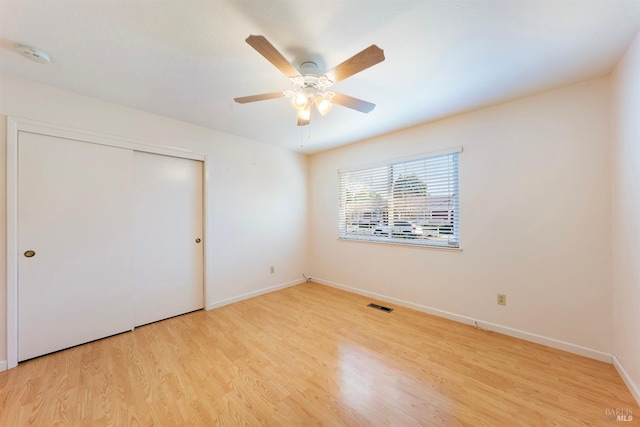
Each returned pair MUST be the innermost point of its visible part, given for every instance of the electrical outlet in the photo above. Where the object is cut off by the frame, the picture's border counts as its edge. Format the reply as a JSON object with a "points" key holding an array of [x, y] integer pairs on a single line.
{"points": [[272, 269], [502, 299]]}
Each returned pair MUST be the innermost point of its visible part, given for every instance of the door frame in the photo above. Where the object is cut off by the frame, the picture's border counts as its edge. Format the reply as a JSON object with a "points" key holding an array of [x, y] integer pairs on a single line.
{"points": [[17, 125]]}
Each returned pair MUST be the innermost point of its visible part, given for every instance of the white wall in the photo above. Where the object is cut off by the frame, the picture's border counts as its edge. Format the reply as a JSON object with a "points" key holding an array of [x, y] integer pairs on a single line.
{"points": [[535, 221], [257, 193], [626, 216]]}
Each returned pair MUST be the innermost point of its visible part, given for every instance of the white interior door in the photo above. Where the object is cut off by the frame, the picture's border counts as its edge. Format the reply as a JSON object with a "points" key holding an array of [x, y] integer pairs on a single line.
{"points": [[75, 214], [168, 247]]}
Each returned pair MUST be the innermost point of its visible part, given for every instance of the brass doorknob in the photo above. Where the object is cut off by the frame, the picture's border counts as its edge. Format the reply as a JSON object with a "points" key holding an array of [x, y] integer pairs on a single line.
{"points": [[29, 254], [198, 240]]}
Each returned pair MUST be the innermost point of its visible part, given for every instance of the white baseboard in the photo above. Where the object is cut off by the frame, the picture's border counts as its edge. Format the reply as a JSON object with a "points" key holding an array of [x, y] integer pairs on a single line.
{"points": [[3, 365], [633, 388], [248, 295], [528, 336]]}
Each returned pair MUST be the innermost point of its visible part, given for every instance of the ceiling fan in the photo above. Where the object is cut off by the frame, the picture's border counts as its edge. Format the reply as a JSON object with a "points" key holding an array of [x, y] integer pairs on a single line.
{"points": [[309, 85]]}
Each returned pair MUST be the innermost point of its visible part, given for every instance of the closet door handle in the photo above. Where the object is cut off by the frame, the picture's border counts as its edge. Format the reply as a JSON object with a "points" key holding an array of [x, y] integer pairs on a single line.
{"points": [[30, 253], [198, 240]]}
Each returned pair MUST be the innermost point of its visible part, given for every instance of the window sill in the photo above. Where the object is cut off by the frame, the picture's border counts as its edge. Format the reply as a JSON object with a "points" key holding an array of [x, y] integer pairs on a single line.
{"points": [[396, 243]]}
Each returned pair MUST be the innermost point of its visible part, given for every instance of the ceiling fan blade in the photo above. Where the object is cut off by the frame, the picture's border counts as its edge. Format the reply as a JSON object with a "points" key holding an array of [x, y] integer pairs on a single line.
{"points": [[353, 103], [261, 97], [271, 54], [358, 62]]}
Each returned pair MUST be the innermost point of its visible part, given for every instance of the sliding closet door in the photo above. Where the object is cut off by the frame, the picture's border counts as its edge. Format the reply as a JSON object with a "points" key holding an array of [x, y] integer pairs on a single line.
{"points": [[75, 240], [168, 247]]}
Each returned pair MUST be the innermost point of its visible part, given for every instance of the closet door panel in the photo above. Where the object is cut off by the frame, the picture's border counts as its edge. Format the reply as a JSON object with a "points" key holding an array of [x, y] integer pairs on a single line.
{"points": [[75, 215], [168, 246]]}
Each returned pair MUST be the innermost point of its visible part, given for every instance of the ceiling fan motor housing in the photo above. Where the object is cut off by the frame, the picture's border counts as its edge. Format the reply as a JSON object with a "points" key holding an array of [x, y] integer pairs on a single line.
{"points": [[310, 83]]}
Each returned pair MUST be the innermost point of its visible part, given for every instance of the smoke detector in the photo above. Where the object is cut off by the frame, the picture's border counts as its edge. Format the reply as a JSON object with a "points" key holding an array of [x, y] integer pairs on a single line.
{"points": [[33, 54]]}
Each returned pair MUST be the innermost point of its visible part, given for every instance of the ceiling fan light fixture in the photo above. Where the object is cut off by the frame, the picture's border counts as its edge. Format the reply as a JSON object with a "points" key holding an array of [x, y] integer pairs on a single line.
{"points": [[300, 101], [323, 104], [304, 114]]}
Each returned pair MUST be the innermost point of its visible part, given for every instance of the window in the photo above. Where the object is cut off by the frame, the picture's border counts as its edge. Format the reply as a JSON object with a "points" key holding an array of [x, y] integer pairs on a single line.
{"points": [[412, 202]]}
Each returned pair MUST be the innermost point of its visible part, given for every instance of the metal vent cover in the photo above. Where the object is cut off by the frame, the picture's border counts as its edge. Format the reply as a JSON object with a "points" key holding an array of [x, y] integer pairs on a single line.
{"points": [[380, 307]]}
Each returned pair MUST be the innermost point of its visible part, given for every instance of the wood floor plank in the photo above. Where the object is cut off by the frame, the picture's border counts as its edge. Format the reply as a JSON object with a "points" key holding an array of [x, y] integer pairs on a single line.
{"points": [[311, 355]]}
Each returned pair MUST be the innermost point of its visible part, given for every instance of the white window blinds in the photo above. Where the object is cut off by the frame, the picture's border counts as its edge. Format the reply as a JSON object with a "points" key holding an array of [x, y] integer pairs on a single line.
{"points": [[412, 202]]}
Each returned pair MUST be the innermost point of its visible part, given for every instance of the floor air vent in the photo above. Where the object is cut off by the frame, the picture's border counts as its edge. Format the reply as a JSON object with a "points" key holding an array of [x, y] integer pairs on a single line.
{"points": [[380, 307]]}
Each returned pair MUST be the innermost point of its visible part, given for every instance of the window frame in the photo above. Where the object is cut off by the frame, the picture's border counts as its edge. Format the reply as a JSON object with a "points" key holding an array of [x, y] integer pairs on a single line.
{"points": [[396, 235]]}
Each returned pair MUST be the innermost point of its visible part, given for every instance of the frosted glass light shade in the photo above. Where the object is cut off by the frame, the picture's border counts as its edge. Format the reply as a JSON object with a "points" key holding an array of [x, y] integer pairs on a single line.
{"points": [[323, 105], [300, 100], [304, 114]]}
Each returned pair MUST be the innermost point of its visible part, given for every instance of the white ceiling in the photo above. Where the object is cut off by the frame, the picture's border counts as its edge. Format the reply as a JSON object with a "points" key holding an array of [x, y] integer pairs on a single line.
{"points": [[187, 59]]}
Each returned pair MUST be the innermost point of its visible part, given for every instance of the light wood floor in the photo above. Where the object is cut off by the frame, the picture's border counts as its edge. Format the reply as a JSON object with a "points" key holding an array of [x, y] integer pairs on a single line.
{"points": [[311, 355]]}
